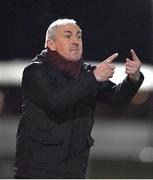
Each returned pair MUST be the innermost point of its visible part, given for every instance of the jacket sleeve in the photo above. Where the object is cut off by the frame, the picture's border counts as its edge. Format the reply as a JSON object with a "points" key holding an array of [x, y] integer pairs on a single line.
{"points": [[41, 89], [119, 94]]}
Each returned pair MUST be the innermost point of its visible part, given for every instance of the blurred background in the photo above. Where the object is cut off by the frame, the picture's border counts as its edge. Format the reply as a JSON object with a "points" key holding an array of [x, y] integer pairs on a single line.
{"points": [[123, 135]]}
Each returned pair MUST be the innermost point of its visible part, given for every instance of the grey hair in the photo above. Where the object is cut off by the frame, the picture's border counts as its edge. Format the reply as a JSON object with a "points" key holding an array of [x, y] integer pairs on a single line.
{"points": [[50, 34]]}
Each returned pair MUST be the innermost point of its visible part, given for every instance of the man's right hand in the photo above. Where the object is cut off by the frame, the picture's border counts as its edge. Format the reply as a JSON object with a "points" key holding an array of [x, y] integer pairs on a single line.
{"points": [[105, 69]]}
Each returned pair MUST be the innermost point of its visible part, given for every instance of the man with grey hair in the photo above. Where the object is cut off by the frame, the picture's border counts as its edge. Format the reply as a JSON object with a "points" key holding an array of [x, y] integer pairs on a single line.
{"points": [[50, 34], [60, 94]]}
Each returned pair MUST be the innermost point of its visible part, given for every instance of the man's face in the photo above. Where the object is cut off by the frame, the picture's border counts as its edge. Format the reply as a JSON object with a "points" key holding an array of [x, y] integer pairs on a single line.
{"points": [[68, 42]]}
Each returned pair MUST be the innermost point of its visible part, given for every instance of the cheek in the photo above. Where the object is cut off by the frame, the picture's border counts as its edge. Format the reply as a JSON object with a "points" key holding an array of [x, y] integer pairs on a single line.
{"points": [[63, 48], [81, 46], [81, 49]]}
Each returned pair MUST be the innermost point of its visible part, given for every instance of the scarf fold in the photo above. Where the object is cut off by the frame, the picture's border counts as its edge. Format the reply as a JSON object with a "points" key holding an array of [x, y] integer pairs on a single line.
{"points": [[70, 68]]}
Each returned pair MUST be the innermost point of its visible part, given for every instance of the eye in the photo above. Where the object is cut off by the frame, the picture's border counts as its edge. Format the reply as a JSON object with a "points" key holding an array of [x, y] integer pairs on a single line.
{"points": [[67, 36], [79, 36]]}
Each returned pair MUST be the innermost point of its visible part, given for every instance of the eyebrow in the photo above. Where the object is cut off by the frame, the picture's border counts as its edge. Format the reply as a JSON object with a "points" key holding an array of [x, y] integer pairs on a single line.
{"points": [[71, 32]]}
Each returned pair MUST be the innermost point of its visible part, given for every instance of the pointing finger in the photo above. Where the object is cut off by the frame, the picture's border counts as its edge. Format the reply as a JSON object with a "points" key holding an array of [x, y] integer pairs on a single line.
{"points": [[111, 58], [134, 56]]}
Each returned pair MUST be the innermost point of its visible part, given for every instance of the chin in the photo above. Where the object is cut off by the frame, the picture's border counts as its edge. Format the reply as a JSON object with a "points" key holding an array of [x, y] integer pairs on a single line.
{"points": [[75, 56], [73, 59]]}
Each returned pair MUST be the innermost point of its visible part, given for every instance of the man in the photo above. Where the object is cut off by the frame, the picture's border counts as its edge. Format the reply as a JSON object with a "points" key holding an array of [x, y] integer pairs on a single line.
{"points": [[60, 94]]}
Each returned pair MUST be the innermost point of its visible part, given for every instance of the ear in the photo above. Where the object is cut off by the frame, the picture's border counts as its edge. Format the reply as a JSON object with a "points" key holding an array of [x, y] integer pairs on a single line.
{"points": [[51, 45]]}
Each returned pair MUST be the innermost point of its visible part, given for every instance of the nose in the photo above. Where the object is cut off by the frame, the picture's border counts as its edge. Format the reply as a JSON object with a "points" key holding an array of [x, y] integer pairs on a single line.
{"points": [[76, 41]]}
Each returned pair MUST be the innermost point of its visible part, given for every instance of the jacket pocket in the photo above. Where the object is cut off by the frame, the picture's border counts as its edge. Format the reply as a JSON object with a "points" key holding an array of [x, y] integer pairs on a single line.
{"points": [[46, 148], [47, 153], [46, 137]]}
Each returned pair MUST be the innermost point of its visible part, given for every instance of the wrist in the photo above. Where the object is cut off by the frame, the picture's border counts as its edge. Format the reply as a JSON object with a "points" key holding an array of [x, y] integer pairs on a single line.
{"points": [[135, 77]]}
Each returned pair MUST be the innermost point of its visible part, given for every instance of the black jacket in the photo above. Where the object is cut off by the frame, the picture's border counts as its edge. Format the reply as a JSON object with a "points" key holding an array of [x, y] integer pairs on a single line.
{"points": [[53, 138]]}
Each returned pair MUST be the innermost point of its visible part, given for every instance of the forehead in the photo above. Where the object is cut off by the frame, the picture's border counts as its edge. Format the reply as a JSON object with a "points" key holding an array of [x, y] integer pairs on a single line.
{"points": [[74, 28]]}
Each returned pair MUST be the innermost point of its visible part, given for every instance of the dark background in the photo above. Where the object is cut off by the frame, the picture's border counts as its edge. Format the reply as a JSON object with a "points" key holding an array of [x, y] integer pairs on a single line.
{"points": [[108, 26]]}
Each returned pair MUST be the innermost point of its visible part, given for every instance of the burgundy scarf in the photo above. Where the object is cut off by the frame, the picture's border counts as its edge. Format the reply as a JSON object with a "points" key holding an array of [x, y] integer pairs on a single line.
{"points": [[72, 69]]}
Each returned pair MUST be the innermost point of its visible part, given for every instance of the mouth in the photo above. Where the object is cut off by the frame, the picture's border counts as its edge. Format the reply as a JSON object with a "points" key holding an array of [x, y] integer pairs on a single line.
{"points": [[74, 49]]}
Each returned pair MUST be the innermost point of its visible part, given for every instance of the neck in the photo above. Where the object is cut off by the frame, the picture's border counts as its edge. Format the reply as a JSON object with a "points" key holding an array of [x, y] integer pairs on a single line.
{"points": [[72, 69]]}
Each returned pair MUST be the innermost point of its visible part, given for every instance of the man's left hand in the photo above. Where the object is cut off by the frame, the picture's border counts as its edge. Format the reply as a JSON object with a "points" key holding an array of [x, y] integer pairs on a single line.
{"points": [[132, 66]]}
